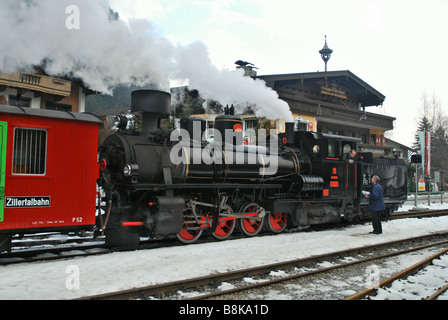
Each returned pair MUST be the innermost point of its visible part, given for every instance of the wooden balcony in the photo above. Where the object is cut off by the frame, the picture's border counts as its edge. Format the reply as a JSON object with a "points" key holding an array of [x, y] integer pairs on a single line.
{"points": [[337, 114], [36, 82]]}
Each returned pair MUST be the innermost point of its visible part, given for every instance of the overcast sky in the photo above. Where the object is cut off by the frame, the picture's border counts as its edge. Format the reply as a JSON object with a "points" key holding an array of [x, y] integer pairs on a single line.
{"points": [[398, 46]]}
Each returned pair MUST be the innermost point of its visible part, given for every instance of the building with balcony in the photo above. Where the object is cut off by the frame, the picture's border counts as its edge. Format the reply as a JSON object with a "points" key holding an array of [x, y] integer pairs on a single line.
{"points": [[335, 102], [40, 91]]}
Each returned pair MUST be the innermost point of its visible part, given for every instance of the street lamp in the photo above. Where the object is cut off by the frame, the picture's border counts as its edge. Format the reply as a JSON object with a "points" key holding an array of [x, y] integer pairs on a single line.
{"points": [[325, 53], [441, 185]]}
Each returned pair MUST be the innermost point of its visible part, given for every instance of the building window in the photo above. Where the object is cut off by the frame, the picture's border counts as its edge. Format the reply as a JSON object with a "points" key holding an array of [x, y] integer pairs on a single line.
{"points": [[364, 138], [302, 125], [29, 151], [18, 101], [377, 139], [58, 106]]}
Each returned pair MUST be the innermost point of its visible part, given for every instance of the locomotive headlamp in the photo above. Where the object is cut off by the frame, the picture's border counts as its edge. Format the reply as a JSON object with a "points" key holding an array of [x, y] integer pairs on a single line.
{"points": [[127, 170], [130, 170]]}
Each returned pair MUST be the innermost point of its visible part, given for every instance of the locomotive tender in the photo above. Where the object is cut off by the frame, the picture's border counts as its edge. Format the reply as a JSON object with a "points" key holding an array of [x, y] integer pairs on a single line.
{"points": [[160, 183]]}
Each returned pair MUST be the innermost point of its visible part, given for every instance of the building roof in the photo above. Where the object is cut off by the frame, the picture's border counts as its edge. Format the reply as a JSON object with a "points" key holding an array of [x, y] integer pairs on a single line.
{"points": [[359, 89], [399, 145]]}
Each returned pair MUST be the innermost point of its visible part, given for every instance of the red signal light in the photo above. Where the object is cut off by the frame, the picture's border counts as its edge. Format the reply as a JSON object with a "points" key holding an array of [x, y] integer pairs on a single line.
{"points": [[238, 128]]}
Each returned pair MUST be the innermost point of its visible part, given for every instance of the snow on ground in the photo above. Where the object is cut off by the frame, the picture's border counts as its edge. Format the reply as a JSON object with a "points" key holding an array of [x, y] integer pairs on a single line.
{"points": [[85, 276], [419, 285]]}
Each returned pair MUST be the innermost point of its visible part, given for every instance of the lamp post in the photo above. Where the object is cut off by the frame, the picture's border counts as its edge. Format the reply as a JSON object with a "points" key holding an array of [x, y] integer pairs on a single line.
{"points": [[325, 53], [416, 159], [441, 185]]}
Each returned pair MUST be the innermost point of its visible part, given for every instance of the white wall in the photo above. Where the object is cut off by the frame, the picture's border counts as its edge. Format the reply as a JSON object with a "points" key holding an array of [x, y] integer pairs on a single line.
{"points": [[35, 102]]}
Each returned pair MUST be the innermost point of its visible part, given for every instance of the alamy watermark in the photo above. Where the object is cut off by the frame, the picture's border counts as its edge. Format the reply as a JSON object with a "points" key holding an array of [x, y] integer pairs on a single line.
{"points": [[228, 151], [73, 280], [73, 21], [372, 276]]}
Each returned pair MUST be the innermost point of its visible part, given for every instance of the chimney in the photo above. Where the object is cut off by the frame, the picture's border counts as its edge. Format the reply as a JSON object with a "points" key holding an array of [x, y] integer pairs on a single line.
{"points": [[154, 105]]}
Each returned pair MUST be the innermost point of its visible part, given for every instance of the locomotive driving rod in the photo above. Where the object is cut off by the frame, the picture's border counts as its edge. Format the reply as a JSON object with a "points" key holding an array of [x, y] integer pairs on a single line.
{"points": [[205, 204], [260, 213]]}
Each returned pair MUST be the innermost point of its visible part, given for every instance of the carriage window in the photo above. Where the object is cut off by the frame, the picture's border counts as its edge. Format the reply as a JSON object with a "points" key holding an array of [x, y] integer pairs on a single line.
{"points": [[29, 151]]}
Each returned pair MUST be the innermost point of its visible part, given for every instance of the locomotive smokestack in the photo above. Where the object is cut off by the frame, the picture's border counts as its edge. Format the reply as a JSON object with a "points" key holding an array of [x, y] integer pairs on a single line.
{"points": [[154, 105]]}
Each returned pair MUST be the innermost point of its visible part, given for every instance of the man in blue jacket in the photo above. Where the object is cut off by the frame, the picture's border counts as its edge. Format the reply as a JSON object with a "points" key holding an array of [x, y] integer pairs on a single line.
{"points": [[376, 205]]}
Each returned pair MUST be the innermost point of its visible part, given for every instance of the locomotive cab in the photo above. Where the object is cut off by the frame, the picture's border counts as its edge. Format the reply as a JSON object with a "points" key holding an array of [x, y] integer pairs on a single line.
{"points": [[326, 152], [337, 196]]}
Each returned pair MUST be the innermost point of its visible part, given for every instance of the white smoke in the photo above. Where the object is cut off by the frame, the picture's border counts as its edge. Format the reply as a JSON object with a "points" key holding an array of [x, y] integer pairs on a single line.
{"points": [[91, 44]]}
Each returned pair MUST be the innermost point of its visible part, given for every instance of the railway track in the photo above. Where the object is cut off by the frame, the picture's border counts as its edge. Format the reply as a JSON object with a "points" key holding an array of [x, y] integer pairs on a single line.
{"points": [[222, 285], [418, 214], [407, 283], [43, 248]]}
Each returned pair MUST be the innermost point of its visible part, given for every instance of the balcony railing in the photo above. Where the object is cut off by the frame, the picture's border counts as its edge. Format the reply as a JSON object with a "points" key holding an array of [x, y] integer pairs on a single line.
{"points": [[36, 82]]}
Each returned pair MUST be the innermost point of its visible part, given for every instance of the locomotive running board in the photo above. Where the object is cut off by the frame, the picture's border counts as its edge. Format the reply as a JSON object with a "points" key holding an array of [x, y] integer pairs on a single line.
{"points": [[223, 186]]}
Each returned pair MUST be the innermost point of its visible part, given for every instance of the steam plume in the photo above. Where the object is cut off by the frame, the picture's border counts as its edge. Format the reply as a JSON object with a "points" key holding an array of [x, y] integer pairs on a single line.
{"points": [[104, 51]]}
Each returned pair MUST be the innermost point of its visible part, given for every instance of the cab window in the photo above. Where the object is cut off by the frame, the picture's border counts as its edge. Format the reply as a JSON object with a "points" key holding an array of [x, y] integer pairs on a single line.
{"points": [[333, 149]]}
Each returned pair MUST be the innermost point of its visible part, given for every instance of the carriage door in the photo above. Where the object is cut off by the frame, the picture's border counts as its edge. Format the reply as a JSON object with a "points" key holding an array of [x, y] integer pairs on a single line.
{"points": [[3, 140]]}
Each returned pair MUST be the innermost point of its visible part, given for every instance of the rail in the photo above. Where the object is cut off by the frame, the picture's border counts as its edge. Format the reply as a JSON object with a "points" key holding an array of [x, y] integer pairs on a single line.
{"points": [[400, 275], [163, 289]]}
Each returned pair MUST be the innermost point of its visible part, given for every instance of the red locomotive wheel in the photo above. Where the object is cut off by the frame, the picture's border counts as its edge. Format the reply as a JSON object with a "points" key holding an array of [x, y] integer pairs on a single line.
{"points": [[224, 230], [250, 226], [226, 225], [189, 236], [190, 232], [276, 222]]}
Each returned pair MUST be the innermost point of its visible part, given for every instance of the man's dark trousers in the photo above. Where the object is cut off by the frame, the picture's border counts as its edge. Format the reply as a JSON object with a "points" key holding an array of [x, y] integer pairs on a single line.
{"points": [[376, 221]]}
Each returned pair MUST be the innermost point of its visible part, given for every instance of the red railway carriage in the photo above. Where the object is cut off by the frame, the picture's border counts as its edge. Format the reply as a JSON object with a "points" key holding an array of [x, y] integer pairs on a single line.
{"points": [[48, 171]]}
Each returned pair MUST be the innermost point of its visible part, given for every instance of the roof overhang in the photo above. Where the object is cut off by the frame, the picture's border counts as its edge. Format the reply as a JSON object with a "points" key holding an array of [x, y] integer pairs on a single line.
{"points": [[369, 95]]}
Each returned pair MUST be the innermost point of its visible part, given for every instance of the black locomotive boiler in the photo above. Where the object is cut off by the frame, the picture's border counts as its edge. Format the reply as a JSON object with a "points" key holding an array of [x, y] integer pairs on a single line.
{"points": [[159, 183]]}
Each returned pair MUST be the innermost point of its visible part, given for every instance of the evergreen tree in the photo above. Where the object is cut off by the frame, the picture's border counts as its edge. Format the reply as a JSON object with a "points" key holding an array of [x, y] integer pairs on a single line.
{"points": [[434, 121], [439, 149], [423, 125]]}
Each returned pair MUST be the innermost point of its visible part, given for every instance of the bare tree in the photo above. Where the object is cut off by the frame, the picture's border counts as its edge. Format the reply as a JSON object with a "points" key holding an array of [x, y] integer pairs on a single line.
{"points": [[432, 118]]}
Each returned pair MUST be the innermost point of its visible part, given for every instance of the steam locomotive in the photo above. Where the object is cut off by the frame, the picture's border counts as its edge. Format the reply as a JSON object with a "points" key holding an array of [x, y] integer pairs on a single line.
{"points": [[161, 183]]}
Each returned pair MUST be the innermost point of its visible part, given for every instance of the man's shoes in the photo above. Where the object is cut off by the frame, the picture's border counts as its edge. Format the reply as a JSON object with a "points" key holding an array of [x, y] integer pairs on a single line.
{"points": [[374, 232]]}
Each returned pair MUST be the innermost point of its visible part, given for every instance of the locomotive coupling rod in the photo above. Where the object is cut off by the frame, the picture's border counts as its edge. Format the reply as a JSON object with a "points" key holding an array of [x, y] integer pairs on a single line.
{"points": [[210, 205]]}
